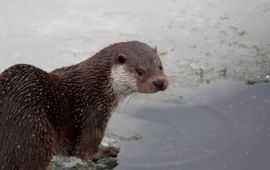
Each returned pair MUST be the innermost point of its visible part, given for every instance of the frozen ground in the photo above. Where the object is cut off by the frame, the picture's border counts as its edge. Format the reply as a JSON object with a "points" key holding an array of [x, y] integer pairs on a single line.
{"points": [[208, 119]]}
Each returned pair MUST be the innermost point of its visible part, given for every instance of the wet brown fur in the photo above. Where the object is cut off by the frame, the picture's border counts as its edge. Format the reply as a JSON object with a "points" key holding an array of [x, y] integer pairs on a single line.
{"points": [[63, 112]]}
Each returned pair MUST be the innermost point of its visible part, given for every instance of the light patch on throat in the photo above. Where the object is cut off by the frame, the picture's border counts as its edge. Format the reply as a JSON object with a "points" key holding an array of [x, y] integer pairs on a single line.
{"points": [[123, 82]]}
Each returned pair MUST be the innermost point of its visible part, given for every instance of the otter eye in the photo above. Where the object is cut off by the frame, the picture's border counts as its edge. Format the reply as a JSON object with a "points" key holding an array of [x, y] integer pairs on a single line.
{"points": [[122, 59], [140, 72], [160, 67]]}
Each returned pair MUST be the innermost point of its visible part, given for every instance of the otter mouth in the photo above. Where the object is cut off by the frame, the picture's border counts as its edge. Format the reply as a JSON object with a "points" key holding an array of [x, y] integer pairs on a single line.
{"points": [[153, 86]]}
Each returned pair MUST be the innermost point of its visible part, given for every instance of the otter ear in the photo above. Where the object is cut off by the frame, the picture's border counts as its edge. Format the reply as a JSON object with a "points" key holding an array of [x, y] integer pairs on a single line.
{"points": [[121, 58], [155, 49]]}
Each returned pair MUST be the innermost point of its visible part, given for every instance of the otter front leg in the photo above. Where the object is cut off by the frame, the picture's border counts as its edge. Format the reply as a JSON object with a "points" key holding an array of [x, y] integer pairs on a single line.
{"points": [[88, 147], [89, 143], [94, 151]]}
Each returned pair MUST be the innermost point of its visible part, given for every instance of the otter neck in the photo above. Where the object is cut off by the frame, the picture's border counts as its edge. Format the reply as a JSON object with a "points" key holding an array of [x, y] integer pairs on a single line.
{"points": [[94, 96]]}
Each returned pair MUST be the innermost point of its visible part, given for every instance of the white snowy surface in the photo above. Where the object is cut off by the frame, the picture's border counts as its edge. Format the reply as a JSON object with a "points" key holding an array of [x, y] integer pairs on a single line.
{"points": [[196, 39]]}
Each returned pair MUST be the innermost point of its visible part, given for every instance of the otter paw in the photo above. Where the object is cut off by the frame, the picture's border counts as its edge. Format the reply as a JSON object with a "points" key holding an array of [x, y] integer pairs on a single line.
{"points": [[105, 152], [110, 151]]}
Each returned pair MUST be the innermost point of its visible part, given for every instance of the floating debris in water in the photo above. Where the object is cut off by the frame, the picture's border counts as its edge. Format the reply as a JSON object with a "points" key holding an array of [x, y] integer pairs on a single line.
{"points": [[233, 28], [223, 73], [224, 17], [114, 139], [253, 82], [164, 53], [242, 33]]}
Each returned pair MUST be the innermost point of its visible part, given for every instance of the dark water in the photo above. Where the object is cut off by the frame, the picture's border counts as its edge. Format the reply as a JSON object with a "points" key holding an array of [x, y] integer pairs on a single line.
{"points": [[223, 126]]}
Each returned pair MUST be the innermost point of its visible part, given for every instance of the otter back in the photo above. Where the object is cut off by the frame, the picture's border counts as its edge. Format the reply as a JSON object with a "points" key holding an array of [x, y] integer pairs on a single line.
{"points": [[28, 99]]}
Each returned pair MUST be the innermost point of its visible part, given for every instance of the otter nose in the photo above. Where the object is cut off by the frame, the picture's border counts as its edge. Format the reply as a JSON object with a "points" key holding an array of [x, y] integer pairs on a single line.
{"points": [[159, 84]]}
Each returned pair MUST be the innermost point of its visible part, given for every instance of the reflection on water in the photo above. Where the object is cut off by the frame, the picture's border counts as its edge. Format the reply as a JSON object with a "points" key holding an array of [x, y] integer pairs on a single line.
{"points": [[208, 118]]}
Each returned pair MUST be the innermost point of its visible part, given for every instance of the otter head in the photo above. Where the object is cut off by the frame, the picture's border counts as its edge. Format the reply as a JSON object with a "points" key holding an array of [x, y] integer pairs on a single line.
{"points": [[137, 68]]}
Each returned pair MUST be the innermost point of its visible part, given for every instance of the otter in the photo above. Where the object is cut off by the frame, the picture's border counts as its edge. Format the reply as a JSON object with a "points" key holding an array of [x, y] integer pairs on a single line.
{"points": [[66, 111]]}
